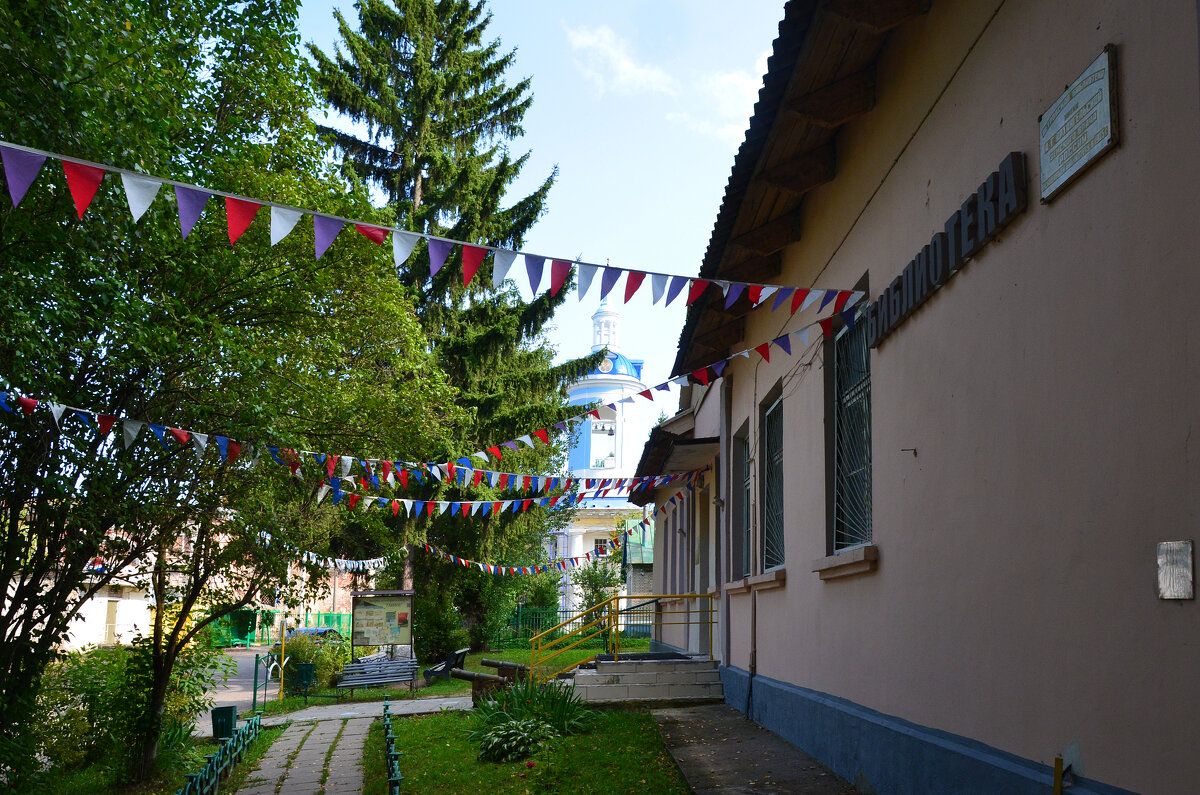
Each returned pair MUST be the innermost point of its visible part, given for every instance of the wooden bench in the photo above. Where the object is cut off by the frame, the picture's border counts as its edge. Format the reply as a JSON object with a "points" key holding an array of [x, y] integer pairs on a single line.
{"points": [[456, 659], [378, 672]]}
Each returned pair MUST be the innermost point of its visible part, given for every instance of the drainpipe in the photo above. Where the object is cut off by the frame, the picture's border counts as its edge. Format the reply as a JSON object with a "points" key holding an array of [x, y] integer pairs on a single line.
{"points": [[753, 651]]}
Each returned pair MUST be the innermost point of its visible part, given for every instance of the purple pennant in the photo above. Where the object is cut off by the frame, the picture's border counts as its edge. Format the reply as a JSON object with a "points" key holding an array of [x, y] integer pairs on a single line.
{"points": [[677, 283], [533, 267], [784, 342], [562, 426], [663, 387], [782, 296], [439, 250], [512, 445], [608, 279], [719, 367], [20, 169], [848, 315], [191, 203], [826, 298], [325, 229], [735, 292]]}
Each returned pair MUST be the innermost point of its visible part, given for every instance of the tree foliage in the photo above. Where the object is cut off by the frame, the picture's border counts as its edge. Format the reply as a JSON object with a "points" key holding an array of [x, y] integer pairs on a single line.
{"points": [[433, 94], [255, 342]]}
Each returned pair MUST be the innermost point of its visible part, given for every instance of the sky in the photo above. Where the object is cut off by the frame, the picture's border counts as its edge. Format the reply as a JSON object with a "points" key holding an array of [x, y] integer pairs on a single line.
{"points": [[641, 105]]}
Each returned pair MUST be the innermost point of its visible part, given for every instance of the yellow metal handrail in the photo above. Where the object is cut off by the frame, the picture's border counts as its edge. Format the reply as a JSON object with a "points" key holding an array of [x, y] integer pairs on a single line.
{"points": [[605, 621]]}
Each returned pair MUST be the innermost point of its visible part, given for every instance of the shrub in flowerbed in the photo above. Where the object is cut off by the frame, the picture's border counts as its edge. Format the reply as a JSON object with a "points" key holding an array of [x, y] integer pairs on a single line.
{"points": [[516, 721]]}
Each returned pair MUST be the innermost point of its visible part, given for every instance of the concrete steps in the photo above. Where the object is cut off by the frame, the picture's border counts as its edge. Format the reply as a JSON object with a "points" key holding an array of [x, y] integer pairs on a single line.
{"points": [[654, 681]]}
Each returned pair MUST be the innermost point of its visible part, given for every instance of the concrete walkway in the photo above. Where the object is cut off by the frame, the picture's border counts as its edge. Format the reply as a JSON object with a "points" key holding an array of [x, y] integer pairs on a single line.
{"points": [[322, 751], [720, 751]]}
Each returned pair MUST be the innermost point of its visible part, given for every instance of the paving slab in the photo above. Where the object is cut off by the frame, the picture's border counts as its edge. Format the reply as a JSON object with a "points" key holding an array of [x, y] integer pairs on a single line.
{"points": [[719, 751]]}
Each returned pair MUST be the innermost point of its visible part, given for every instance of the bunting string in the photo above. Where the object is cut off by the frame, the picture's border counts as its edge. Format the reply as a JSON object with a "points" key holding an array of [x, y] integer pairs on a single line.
{"points": [[22, 165]]}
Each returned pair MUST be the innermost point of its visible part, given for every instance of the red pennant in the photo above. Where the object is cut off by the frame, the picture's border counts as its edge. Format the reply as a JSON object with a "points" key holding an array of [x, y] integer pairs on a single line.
{"points": [[695, 290], [330, 464], [554, 500], [404, 478], [764, 350], [526, 483], [477, 478], [543, 435], [827, 326], [83, 182], [292, 460], [839, 303], [376, 234], [363, 482], [496, 452], [27, 404], [646, 393], [466, 508], [701, 375], [797, 298], [395, 507], [525, 505], [353, 498], [472, 257], [180, 434], [105, 421], [495, 507], [633, 280], [430, 507], [450, 470], [387, 468], [594, 413], [567, 486], [239, 213], [560, 269], [503, 481], [235, 450], [754, 293]]}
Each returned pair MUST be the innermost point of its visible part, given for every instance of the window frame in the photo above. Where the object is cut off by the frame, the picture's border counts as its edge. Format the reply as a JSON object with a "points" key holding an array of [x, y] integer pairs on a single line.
{"points": [[771, 513]]}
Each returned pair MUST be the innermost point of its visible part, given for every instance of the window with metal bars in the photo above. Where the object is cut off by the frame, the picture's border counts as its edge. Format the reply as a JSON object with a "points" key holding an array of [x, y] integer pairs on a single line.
{"points": [[743, 499], [771, 468], [852, 439]]}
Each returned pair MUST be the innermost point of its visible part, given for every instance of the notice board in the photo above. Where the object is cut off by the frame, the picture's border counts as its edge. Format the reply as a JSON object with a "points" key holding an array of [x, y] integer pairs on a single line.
{"points": [[381, 618]]}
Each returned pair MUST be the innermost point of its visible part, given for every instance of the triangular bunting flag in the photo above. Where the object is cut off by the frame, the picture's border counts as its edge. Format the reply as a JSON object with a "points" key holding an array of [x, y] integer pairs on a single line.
{"points": [[560, 269], [325, 229], [501, 263], [159, 431], [191, 203], [200, 442], [696, 290], [608, 279], [586, 274], [439, 250], [239, 214], [543, 435], [828, 296], [677, 284], [131, 430], [781, 297], [735, 292], [797, 297], [27, 404], [764, 350], [20, 170], [719, 367], [533, 269], [813, 295], [56, 411], [403, 244], [376, 234], [658, 285], [701, 375], [283, 221], [632, 282], [139, 193], [827, 327], [848, 317], [83, 182], [180, 435], [472, 256], [784, 342], [754, 293]]}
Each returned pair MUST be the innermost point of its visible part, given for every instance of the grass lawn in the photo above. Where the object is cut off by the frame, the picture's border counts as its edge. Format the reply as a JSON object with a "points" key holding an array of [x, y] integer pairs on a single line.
{"points": [[623, 752], [440, 688]]}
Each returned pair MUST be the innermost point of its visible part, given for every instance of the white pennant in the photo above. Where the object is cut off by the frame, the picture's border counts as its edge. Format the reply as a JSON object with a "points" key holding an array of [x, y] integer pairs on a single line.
{"points": [[57, 409], [527, 440], [443, 507], [321, 492], [201, 440], [139, 192], [802, 334], [855, 297], [723, 285], [131, 429], [502, 260], [402, 245], [813, 295], [283, 221], [255, 451], [481, 456], [586, 274], [347, 462], [766, 293], [658, 285]]}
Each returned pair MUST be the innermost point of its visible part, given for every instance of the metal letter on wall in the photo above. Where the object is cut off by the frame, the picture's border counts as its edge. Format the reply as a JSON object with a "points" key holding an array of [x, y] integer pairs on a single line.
{"points": [[1080, 126], [1175, 570]]}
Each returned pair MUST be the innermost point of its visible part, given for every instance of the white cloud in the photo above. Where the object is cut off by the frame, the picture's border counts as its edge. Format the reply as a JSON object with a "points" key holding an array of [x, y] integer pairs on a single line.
{"points": [[724, 103], [606, 60]]}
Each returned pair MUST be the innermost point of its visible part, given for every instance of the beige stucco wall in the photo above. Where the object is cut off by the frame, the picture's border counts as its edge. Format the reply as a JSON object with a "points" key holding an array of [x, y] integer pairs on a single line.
{"points": [[1050, 390]]}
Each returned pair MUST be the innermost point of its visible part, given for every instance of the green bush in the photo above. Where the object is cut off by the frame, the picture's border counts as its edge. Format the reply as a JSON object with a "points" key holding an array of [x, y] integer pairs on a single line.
{"points": [[512, 740], [554, 703], [440, 626], [328, 655]]}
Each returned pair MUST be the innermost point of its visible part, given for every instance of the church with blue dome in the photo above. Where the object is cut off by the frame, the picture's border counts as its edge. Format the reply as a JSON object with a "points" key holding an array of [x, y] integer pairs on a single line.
{"points": [[608, 446]]}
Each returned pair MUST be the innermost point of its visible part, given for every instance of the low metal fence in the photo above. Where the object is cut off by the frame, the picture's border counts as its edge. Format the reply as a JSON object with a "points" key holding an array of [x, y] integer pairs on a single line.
{"points": [[391, 755], [232, 750]]}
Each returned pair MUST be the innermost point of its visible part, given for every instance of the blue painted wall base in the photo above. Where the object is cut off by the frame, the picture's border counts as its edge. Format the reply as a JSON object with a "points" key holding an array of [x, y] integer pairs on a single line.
{"points": [[879, 753]]}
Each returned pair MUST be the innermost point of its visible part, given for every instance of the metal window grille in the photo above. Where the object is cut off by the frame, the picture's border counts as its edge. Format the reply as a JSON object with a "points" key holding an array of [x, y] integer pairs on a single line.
{"points": [[747, 499], [772, 483], [852, 439]]}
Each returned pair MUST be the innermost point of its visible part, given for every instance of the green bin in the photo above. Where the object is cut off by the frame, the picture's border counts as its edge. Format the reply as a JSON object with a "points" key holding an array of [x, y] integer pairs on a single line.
{"points": [[302, 679], [224, 721]]}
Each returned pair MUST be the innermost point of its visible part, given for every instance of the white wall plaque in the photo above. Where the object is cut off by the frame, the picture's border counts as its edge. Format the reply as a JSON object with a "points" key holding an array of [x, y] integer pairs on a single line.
{"points": [[1080, 126], [1175, 570]]}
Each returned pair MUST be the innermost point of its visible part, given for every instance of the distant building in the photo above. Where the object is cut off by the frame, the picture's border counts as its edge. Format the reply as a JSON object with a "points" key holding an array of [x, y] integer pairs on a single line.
{"points": [[604, 447]]}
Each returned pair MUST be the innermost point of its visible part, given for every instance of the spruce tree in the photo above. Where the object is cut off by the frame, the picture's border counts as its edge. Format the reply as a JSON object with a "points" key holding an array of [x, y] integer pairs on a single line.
{"points": [[431, 91]]}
